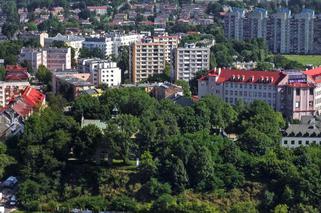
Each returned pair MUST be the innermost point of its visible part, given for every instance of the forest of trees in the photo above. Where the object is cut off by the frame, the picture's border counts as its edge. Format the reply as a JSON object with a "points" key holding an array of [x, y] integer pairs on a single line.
{"points": [[186, 165]]}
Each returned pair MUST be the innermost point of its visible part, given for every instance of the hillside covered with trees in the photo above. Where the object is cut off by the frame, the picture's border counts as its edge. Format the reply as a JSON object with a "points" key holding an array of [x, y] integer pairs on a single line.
{"points": [[186, 165]]}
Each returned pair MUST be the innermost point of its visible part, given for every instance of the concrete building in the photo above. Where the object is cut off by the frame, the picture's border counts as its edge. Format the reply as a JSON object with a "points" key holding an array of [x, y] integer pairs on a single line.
{"points": [[75, 42], [279, 31], [121, 39], [295, 94], [317, 39], [58, 59], [188, 60], [302, 32], [34, 57], [39, 36], [171, 42], [256, 24], [98, 10], [104, 44], [72, 84], [307, 132], [102, 72], [234, 24], [52, 58], [146, 59]]}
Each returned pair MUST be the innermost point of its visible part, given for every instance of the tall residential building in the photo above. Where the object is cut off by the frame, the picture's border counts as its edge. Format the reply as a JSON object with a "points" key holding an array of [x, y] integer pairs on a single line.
{"points": [[234, 24], [145, 60], [104, 44], [302, 32], [255, 24], [189, 60], [171, 42], [317, 38], [279, 31], [102, 72]]}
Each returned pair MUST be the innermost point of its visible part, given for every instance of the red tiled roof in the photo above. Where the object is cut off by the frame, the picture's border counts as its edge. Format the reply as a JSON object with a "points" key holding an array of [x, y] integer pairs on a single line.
{"points": [[313, 72], [16, 68], [247, 76], [16, 76], [32, 96]]}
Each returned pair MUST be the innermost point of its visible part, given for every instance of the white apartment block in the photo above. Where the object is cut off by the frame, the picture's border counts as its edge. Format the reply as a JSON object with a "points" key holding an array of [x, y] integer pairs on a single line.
{"points": [[102, 72], [120, 40], [10, 90], [76, 42], [189, 60], [104, 44], [146, 59], [52, 58], [34, 57]]}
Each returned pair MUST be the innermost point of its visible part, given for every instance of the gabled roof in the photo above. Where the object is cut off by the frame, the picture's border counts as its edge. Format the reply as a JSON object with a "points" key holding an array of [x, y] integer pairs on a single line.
{"points": [[16, 68], [246, 76], [32, 96], [313, 72]]}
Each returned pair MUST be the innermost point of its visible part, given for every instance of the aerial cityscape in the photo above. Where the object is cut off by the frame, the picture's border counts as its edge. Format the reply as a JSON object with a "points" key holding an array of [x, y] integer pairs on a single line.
{"points": [[166, 106]]}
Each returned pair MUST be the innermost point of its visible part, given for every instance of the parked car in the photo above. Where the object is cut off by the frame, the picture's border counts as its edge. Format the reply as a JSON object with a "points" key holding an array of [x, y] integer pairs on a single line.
{"points": [[10, 182], [13, 200]]}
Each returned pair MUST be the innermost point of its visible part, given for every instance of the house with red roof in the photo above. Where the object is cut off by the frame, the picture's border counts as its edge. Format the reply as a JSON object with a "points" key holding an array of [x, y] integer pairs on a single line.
{"points": [[13, 115], [294, 93]]}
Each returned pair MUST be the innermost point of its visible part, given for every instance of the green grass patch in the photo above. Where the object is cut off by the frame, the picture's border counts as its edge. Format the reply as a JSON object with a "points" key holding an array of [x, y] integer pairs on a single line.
{"points": [[315, 60]]}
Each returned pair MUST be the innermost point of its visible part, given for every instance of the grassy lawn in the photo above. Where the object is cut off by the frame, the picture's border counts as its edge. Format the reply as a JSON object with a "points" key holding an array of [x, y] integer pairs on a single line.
{"points": [[306, 59]]}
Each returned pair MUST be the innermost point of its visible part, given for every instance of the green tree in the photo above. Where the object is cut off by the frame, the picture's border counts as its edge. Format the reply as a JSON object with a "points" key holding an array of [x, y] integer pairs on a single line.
{"points": [[5, 159], [120, 133], [185, 86], [43, 74]]}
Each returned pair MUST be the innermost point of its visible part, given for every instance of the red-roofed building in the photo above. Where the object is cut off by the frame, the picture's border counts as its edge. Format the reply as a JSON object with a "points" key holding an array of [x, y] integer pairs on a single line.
{"points": [[292, 93], [13, 115], [16, 73]]}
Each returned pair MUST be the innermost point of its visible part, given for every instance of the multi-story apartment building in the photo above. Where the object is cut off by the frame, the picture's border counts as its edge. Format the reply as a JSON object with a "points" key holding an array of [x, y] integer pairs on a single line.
{"points": [[317, 31], [10, 90], [188, 60], [34, 57], [58, 59], [279, 31], [295, 94], [234, 24], [255, 25], [120, 40], [52, 58], [302, 32], [75, 42], [102, 72], [103, 43], [283, 32], [171, 42], [146, 59]]}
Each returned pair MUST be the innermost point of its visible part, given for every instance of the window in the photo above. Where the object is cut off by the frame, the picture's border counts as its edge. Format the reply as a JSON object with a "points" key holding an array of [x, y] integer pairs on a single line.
{"points": [[307, 142], [292, 142], [300, 142], [311, 91], [297, 104], [297, 91], [285, 142], [310, 103]]}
